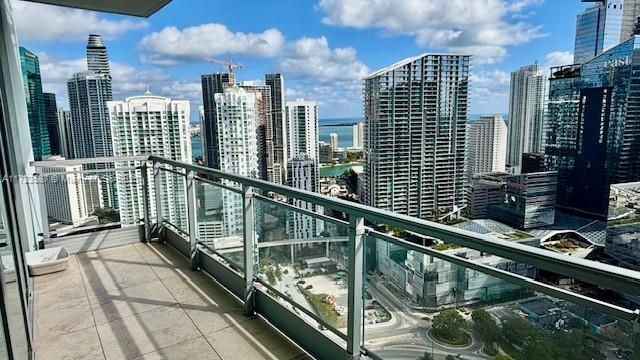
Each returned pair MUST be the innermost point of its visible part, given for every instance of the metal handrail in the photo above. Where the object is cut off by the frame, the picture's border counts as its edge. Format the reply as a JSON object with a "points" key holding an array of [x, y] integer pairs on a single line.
{"points": [[608, 276], [520, 280]]}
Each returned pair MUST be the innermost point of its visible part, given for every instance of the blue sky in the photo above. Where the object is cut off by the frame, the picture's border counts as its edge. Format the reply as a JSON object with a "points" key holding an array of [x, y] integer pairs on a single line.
{"points": [[323, 47]]}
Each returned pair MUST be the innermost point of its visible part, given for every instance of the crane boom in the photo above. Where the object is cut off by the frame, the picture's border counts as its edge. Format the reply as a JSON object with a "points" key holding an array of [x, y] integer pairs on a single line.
{"points": [[228, 63]]}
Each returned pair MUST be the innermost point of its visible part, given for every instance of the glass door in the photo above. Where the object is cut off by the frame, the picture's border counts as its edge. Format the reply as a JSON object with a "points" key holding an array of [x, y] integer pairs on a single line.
{"points": [[15, 342]]}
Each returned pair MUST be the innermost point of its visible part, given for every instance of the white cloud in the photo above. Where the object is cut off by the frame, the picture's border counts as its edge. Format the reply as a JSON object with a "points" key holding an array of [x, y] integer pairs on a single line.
{"points": [[127, 80], [330, 76], [39, 22], [480, 27], [313, 58], [489, 91], [171, 45], [490, 88], [557, 58]]}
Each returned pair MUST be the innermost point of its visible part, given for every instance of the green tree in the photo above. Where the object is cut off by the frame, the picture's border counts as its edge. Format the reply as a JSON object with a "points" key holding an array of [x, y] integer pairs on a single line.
{"points": [[484, 326], [427, 356], [539, 350], [518, 331], [449, 324], [450, 357], [106, 215], [353, 156], [502, 357], [486, 329]]}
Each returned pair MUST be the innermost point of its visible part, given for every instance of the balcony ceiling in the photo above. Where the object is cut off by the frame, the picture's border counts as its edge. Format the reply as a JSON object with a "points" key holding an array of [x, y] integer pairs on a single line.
{"points": [[144, 8]]}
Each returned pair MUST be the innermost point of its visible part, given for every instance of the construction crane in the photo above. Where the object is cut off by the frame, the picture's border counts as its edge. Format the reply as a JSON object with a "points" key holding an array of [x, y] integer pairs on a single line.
{"points": [[229, 64]]}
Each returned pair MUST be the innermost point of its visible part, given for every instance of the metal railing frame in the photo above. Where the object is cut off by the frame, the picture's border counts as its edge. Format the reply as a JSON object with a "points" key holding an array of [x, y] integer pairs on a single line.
{"points": [[604, 275]]}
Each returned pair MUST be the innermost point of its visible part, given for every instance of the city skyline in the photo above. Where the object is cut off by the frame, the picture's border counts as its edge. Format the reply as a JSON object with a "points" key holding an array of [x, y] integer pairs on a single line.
{"points": [[548, 39]]}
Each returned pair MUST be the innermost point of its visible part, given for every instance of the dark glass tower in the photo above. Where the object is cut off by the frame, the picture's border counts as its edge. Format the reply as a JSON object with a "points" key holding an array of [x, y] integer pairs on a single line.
{"points": [[51, 114], [212, 84], [278, 126], [35, 104], [593, 136]]}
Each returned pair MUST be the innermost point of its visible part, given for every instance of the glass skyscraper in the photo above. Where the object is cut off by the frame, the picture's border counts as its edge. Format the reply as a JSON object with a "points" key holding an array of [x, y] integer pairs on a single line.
{"points": [[53, 127], [35, 104], [593, 136], [278, 126], [598, 29]]}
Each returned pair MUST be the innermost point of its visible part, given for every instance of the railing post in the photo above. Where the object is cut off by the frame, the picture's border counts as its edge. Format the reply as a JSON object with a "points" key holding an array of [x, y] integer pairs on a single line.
{"points": [[249, 245], [355, 281], [636, 337], [145, 202], [158, 200], [44, 215], [191, 218]]}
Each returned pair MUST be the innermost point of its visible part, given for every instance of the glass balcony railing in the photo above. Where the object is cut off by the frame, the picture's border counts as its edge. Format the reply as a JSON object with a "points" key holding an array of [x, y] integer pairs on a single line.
{"points": [[344, 285]]}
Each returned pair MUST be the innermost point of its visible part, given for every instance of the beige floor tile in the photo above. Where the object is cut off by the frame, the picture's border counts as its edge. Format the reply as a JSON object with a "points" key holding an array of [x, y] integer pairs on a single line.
{"points": [[211, 318], [197, 348], [147, 332], [62, 318], [127, 252], [196, 288], [158, 254], [252, 339], [81, 344], [119, 303], [103, 275], [60, 286]]}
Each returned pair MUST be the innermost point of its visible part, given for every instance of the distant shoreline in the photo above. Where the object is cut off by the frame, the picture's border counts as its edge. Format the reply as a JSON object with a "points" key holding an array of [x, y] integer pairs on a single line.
{"points": [[343, 124]]}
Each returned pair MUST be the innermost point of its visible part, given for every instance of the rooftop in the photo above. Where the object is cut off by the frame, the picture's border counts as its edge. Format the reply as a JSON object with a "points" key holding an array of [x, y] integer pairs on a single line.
{"points": [[539, 306], [142, 301]]}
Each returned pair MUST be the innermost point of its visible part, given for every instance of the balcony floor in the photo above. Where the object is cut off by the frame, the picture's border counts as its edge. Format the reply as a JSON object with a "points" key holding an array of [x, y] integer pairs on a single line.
{"points": [[142, 301]]}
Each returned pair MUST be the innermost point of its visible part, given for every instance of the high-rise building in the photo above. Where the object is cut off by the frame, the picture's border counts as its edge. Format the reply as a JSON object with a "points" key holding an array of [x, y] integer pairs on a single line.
{"points": [[599, 28], [302, 128], [415, 117], [333, 137], [630, 14], [278, 126], [593, 128], [487, 145], [212, 84], [303, 174], [358, 135], [88, 96], [90, 130], [263, 129], [150, 125], [97, 57], [70, 195], [66, 140], [30, 66], [302, 167], [325, 152], [53, 127], [236, 114], [526, 113]]}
